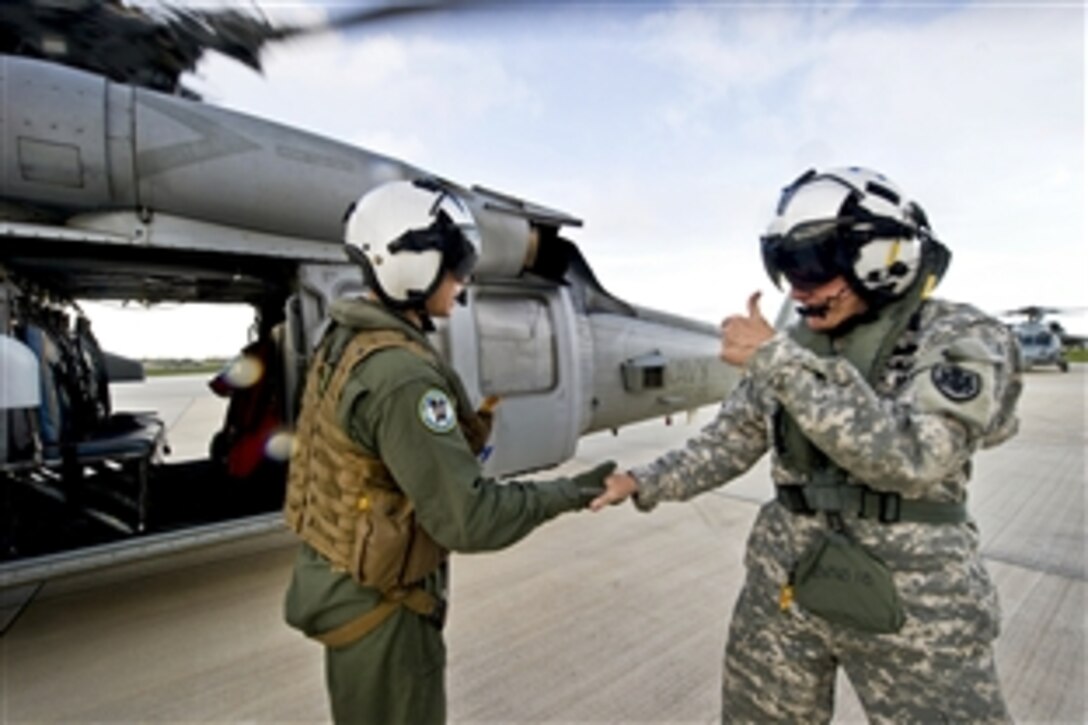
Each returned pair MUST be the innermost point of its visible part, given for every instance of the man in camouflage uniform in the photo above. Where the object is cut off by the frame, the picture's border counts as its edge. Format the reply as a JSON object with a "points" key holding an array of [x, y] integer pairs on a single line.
{"points": [[384, 478], [872, 404]]}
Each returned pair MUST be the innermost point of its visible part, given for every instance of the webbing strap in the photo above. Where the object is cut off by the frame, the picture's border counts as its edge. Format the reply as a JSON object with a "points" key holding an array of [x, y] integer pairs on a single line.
{"points": [[418, 600], [865, 503], [890, 508]]}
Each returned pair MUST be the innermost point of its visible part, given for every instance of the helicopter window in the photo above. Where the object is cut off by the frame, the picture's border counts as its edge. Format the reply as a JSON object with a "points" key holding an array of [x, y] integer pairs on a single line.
{"points": [[654, 377], [1035, 338], [517, 345]]}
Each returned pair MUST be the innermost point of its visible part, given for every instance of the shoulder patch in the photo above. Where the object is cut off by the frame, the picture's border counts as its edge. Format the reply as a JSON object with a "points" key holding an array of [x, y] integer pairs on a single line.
{"points": [[437, 411], [955, 382]]}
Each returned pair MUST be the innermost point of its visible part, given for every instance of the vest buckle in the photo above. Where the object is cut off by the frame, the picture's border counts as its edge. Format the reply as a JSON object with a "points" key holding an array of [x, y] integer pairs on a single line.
{"points": [[886, 505]]}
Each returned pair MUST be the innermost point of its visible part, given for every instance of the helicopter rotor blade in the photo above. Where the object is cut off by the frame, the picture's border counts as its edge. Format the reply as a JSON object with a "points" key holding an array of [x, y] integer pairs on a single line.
{"points": [[1038, 312], [155, 45], [375, 15]]}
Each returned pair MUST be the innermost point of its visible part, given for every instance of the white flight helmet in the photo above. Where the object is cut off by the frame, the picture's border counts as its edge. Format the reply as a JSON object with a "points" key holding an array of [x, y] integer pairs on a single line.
{"points": [[406, 235], [854, 222]]}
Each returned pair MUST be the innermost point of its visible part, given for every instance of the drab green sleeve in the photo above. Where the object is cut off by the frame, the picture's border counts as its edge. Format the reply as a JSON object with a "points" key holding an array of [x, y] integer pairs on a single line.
{"points": [[455, 504]]}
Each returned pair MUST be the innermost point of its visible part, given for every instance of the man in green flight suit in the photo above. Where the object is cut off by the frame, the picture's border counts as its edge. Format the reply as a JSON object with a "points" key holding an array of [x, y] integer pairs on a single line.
{"points": [[384, 479]]}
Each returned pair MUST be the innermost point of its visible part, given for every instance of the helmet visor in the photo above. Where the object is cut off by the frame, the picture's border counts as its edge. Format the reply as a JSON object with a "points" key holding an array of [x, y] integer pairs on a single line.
{"points": [[807, 256], [459, 254]]}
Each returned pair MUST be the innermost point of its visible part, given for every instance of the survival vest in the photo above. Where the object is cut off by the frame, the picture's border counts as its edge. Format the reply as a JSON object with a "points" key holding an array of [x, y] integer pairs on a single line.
{"points": [[868, 347], [342, 501]]}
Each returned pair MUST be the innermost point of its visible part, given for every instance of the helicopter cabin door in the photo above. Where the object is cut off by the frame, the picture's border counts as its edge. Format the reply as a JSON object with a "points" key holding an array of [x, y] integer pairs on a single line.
{"points": [[517, 343]]}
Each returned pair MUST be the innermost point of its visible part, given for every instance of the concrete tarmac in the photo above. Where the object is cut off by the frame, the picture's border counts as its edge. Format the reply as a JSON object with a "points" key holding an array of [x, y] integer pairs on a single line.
{"points": [[614, 617]]}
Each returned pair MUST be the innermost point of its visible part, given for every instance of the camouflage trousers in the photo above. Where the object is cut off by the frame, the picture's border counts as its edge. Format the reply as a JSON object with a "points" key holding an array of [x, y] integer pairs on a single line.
{"points": [[781, 664]]}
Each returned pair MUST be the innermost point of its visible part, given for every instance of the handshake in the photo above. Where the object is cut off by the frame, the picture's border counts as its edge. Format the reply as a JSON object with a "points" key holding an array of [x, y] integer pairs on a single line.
{"points": [[602, 486]]}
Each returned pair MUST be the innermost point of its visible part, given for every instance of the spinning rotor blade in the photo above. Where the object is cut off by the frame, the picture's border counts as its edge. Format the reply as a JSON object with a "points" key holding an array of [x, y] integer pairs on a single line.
{"points": [[154, 45], [370, 16]]}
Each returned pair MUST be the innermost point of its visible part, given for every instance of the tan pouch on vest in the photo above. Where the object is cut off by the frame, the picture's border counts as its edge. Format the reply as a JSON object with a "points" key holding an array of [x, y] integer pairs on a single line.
{"points": [[390, 549]]}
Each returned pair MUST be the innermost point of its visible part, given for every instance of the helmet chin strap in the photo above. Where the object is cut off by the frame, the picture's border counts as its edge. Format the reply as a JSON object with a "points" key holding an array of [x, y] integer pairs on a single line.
{"points": [[820, 310]]}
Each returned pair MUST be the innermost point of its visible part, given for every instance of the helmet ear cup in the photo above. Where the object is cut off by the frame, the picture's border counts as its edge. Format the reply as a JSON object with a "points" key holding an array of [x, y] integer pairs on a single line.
{"points": [[371, 279]]}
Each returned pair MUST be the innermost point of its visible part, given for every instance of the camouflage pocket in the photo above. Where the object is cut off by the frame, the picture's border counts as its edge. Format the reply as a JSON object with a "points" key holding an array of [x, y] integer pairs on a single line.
{"points": [[838, 580]]}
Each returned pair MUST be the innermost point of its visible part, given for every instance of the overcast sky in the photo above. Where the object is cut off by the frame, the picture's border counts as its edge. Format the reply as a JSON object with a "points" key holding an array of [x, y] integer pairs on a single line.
{"points": [[669, 128]]}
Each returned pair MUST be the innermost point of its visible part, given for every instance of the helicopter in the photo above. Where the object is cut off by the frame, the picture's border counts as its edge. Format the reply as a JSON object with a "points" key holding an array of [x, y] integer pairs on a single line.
{"points": [[119, 184], [1042, 342]]}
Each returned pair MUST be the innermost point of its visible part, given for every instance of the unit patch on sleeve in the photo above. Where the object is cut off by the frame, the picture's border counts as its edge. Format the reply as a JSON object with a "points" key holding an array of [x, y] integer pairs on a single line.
{"points": [[437, 411], [955, 382]]}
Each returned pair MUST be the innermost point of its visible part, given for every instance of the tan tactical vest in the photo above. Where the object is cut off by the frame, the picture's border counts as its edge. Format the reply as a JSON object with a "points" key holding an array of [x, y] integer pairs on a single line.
{"points": [[342, 501]]}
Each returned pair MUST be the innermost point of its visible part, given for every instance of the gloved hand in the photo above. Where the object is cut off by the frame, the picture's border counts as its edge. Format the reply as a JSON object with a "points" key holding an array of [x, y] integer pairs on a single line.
{"points": [[477, 426], [591, 483]]}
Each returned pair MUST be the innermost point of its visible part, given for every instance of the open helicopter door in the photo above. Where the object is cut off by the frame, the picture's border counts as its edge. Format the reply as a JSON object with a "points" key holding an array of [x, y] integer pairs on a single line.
{"points": [[519, 342]]}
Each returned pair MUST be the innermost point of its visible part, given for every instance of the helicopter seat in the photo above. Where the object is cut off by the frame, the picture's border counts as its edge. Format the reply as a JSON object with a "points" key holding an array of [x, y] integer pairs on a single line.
{"points": [[115, 460]]}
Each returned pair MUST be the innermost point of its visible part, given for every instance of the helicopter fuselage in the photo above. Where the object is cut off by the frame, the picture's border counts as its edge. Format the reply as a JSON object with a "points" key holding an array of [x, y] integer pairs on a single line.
{"points": [[112, 192]]}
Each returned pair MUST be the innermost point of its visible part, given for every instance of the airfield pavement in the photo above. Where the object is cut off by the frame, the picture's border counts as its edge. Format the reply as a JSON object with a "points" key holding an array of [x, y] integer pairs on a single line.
{"points": [[613, 617]]}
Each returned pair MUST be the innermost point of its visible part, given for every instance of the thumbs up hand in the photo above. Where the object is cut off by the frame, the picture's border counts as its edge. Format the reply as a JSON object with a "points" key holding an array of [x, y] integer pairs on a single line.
{"points": [[743, 334]]}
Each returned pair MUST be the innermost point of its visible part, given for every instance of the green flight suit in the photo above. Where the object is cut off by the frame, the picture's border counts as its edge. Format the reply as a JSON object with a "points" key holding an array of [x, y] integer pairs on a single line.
{"points": [[395, 674]]}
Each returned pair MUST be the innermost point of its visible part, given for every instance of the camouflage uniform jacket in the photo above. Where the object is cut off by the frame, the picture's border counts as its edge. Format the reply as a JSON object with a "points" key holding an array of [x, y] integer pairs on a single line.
{"points": [[913, 433]]}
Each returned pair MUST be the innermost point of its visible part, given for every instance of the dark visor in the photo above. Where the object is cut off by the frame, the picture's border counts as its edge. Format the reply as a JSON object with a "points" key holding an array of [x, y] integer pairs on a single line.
{"points": [[816, 252], [807, 256], [459, 257]]}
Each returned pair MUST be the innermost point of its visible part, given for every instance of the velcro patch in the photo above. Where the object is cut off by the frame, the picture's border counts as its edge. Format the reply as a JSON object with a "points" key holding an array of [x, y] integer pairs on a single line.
{"points": [[437, 411], [955, 382]]}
